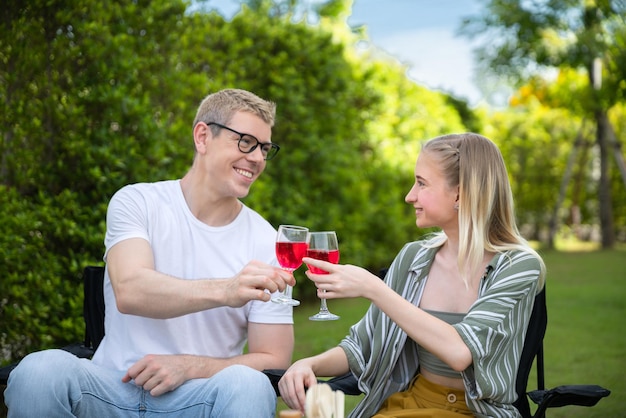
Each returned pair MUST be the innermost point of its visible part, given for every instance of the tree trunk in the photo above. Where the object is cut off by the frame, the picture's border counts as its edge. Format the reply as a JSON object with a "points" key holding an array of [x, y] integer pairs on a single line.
{"points": [[554, 220], [604, 188], [617, 151]]}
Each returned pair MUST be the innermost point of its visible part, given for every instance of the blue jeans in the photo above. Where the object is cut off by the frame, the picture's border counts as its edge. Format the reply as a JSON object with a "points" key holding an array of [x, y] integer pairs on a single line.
{"points": [[54, 383]]}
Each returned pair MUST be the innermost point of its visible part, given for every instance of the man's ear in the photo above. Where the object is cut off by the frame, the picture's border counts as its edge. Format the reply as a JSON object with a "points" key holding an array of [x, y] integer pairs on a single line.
{"points": [[201, 135]]}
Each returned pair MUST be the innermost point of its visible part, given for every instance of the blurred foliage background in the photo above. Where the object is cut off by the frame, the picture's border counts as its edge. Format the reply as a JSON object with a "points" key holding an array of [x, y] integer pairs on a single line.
{"points": [[96, 95]]}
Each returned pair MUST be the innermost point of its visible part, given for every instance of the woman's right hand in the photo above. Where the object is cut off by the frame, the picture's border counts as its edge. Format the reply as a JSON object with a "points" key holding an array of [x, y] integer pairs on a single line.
{"points": [[343, 280], [294, 383]]}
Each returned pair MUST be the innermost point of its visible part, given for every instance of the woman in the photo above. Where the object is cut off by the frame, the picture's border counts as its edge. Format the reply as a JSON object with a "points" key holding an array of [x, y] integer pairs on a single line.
{"points": [[445, 330]]}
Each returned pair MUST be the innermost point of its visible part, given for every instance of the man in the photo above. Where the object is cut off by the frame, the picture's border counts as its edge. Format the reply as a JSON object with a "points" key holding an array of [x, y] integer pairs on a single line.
{"points": [[189, 273]]}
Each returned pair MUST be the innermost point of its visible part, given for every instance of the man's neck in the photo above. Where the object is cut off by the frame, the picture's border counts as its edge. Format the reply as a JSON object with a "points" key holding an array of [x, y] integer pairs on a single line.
{"points": [[213, 212]]}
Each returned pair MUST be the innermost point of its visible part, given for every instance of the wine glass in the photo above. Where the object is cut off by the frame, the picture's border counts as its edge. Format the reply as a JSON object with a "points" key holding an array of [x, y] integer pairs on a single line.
{"points": [[291, 245], [323, 246]]}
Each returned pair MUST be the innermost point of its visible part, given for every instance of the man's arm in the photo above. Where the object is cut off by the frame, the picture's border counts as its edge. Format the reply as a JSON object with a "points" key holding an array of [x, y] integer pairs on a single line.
{"points": [[141, 290], [270, 346]]}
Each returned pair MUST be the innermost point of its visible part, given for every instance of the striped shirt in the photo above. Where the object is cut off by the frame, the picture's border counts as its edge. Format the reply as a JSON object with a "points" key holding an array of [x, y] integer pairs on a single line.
{"points": [[494, 330]]}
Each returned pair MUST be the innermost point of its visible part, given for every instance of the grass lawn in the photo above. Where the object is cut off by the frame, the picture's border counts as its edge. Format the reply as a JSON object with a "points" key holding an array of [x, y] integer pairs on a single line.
{"points": [[584, 343]]}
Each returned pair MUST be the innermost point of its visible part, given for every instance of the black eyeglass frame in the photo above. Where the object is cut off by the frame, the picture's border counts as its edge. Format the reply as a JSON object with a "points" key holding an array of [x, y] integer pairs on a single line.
{"points": [[268, 153]]}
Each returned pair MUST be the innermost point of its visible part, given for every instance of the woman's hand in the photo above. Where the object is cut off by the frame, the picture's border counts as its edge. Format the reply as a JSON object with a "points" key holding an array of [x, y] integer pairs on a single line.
{"points": [[294, 383], [342, 280]]}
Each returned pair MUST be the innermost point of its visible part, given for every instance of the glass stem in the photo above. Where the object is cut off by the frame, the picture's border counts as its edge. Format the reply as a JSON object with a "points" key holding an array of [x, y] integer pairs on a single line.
{"points": [[323, 307]]}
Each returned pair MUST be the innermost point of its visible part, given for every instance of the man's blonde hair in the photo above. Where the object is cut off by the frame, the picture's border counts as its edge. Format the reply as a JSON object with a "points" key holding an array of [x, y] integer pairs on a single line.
{"points": [[220, 107]]}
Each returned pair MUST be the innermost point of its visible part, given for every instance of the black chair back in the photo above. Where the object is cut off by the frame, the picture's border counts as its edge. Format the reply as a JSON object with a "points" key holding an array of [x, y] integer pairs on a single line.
{"points": [[93, 307], [533, 348]]}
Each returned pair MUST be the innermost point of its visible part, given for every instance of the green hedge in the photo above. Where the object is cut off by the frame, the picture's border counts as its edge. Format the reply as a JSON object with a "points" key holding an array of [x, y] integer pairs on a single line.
{"points": [[45, 243]]}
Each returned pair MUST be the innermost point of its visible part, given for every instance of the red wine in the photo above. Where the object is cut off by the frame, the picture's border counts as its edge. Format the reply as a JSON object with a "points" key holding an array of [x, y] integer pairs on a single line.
{"points": [[331, 256], [290, 254]]}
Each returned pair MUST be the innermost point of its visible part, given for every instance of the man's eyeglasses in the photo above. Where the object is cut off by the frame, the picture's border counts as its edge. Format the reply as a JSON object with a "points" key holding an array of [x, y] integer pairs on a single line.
{"points": [[248, 143]]}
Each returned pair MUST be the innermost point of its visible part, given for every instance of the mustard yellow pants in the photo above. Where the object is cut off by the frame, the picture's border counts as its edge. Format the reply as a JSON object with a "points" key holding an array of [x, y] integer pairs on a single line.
{"points": [[425, 399]]}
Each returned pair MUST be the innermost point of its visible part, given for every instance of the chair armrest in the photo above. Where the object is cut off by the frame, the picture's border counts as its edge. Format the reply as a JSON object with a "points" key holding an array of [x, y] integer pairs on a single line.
{"points": [[79, 350], [274, 376], [346, 383], [582, 395], [5, 372]]}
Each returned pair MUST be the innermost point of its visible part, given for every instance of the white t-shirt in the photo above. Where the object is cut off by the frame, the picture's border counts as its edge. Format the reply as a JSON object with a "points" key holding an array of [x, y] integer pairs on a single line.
{"points": [[184, 247]]}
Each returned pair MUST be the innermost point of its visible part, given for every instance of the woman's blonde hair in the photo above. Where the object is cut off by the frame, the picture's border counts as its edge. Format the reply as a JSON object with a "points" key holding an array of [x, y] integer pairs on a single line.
{"points": [[486, 208]]}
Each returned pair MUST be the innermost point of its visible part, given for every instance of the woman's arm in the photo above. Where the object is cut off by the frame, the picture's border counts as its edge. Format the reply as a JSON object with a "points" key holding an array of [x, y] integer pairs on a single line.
{"points": [[432, 333]]}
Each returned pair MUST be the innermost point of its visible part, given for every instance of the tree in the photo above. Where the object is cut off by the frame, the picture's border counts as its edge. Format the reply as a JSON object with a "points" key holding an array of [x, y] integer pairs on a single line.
{"points": [[528, 38], [534, 143]]}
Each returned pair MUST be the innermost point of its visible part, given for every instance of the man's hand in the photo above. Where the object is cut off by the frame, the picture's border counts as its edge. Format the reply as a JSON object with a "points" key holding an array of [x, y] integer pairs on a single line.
{"points": [[252, 281], [159, 374]]}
